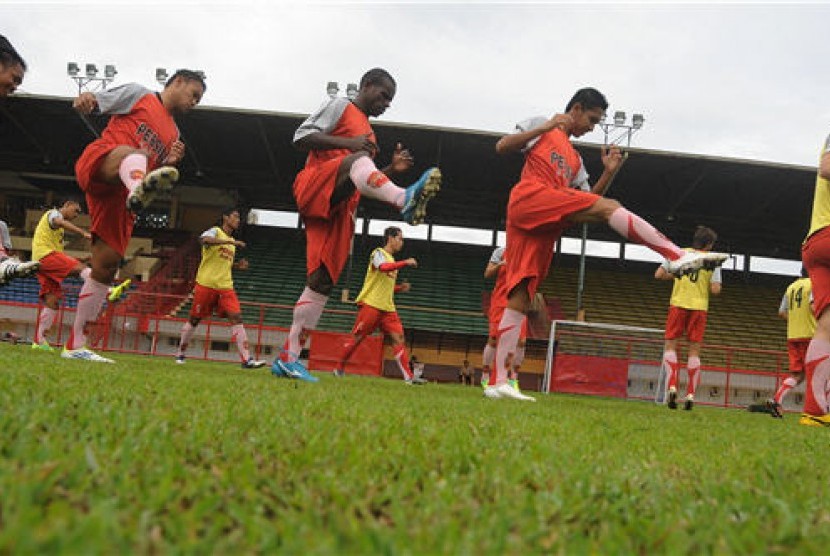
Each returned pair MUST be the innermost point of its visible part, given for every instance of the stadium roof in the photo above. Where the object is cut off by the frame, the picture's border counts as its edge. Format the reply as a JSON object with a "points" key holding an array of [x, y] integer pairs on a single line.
{"points": [[758, 208]]}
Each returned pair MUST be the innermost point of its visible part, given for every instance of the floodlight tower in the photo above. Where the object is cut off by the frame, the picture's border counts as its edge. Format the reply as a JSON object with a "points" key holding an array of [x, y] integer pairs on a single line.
{"points": [[162, 76], [623, 131], [89, 80]]}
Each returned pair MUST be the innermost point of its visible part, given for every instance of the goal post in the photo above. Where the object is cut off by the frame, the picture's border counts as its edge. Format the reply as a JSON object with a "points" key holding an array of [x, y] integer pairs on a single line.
{"points": [[605, 359]]}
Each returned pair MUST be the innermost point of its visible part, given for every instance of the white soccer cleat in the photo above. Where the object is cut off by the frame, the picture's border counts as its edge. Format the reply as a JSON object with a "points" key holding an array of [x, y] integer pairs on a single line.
{"points": [[84, 354], [505, 391], [12, 268], [160, 180], [694, 260]]}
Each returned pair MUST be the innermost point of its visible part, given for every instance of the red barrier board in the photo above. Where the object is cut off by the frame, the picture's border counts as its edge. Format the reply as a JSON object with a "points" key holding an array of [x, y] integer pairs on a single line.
{"points": [[327, 349], [595, 376]]}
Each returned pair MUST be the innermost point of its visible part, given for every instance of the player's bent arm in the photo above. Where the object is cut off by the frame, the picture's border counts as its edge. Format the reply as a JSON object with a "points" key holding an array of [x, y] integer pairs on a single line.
{"points": [[515, 142], [70, 227], [824, 166], [663, 274], [320, 141], [784, 314], [207, 240], [492, 270], [715, 288]]}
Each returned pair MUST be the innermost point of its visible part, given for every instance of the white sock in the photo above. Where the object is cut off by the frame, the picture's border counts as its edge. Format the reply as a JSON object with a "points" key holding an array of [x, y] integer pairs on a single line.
{"points": [[132, 169], [239, 335], [187, 335], [632, 227], [373, 183], [509, 331]]}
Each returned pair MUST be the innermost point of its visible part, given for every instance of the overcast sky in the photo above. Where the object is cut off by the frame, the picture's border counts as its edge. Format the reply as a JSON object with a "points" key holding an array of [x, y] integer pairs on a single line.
{"points": [[739, 80]]}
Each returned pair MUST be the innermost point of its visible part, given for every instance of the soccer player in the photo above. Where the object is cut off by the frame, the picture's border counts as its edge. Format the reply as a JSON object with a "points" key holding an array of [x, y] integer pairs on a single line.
{"points": [[688, 309], [547, 200], [797, 308], [498, 302], [815, 254], [338, 170], [214, 287], [121, 173], [377, 304], [55, 265], [12, 70]]}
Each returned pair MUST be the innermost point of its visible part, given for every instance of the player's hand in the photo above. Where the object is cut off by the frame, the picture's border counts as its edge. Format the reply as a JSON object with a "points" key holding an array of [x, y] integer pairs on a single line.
{"points": [[239, 243], [362, 143], [562, 121], [176, 153], [242, 264], [85, 103], [404, 287], [612, 158], [87, 235], [412, 262], [402, 160]]}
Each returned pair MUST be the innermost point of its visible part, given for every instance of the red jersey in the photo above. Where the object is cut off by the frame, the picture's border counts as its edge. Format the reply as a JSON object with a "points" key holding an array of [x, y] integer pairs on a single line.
{"points": [[552, 160]]}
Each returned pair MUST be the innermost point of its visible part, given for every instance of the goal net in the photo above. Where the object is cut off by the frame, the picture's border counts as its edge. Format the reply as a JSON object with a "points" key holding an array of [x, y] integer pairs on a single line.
{"points": [[621, 361], [605, 360]]}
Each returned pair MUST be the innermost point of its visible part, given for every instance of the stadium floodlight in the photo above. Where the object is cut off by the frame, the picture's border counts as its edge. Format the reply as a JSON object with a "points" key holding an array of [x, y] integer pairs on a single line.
{"points": [[332, 89], [89, 80], [161, 75], [637, 121], [351, 91], [619, 117]]}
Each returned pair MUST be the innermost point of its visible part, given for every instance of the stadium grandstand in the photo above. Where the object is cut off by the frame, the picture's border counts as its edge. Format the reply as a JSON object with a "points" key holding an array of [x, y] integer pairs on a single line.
{"points": [[245, 158]]}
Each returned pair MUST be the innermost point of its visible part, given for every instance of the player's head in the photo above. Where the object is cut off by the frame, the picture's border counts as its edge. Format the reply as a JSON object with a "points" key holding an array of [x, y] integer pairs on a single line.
{"points": [[12, 68], [393, 239], [704, 238], [70, 208], [231, 218], [184, 90], [377, 89], [587, 107]]}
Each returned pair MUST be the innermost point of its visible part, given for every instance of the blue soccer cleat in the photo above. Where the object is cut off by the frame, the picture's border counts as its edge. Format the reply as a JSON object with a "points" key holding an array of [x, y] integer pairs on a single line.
{"points": [[418, 195], [295, 370]]}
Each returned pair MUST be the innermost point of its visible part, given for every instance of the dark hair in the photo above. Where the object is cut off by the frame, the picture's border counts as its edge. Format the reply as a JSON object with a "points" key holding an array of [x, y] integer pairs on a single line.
{"points": [[589, 98], [390, 232], [227, 211], [188, 75], [375, 76], [71, 199], [704, 237], [8, 55]]}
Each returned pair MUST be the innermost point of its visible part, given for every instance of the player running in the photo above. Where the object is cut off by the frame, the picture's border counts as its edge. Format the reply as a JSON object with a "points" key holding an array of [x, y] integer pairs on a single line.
{"points": [[214, 287], [547, 200], [338, 170], [377, 304], [121, 173], [797, 308], [688, 309]]}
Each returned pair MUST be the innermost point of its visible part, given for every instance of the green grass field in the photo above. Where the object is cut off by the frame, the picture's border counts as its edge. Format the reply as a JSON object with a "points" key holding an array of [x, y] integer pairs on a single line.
{"points": [[149, 457]]}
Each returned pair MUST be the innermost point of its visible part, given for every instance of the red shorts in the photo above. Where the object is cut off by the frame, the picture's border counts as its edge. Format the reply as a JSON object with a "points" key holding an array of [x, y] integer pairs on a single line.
{"points": [[496, 312], [111, 222], [815, 254], [686, 322], [369, 319], [54, 268], [206, 300], [329, 230], [797, 350], [537, 214]]}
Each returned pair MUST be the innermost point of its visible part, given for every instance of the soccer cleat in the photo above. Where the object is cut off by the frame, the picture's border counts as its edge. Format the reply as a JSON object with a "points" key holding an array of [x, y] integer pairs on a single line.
{"points": [[672, 399], [694, 260], [417, 381], [119, 291], [418, 194], [774, 409], [84, 354], [505, 391], [42, 347], [12, 268], [339, 373], [815, 420], [252, 363], [180, 360], [514, 383], [292, 369], [157, 181], [689, 403]]}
